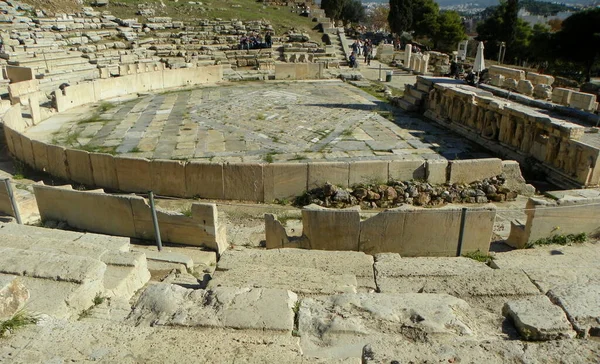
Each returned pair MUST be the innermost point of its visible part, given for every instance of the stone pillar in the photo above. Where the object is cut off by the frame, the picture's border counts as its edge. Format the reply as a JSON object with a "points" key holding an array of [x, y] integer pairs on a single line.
{"points": [[34, 109], [407, 55], [425, 64]]}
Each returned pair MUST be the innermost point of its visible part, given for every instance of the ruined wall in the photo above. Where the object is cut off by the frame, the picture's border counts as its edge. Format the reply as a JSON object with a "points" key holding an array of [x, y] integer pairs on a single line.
{"points": [[575, 212], [128, 215], [100, 89], [399, 230], [299, 71], [504, 126]]}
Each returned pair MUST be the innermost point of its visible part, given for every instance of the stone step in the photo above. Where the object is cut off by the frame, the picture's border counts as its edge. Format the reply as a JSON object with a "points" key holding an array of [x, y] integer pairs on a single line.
{"points": [[13, 296], [221, 307], [411, 99], [405, 105]]}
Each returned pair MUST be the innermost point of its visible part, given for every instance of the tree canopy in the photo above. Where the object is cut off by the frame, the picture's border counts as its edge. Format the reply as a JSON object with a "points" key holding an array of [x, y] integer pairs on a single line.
{"points": [[348, 11], [401, 15]]}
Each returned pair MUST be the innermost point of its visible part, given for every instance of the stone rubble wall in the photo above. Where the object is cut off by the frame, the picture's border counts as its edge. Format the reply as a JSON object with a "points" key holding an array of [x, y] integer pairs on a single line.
{"points": [[130, 216], [514, 130], [575, 212], [399, 230]]}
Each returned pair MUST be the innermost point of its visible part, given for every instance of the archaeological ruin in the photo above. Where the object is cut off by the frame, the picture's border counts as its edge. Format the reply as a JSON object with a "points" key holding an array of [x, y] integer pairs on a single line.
{"points": [[176, 187]]}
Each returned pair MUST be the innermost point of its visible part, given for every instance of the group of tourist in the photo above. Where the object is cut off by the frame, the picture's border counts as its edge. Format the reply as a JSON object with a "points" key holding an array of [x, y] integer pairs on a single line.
{"points": [[364, 48], [255, 41]]}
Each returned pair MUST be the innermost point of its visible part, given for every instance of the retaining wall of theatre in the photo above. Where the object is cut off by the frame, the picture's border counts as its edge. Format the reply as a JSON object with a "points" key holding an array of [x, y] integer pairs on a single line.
{"points": [[130, 215], [259, 182], [570, 214], [398, 230]]}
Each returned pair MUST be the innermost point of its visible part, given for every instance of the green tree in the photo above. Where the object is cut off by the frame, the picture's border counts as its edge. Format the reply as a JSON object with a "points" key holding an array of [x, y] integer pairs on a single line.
{"points": [[499, 27], [353, 12], [579, 40], [511, 22], [450, 31], [425, 17], [333, 8], [400, 16]]}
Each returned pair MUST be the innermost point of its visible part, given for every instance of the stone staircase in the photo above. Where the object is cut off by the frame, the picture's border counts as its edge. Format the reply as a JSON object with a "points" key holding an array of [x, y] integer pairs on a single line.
{"points": [[67, 272], [413, 98]]}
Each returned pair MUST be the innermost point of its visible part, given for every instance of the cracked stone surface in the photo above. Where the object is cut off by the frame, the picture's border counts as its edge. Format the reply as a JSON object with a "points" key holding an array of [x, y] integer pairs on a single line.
{"points": [[238, 308], [537, 318]]}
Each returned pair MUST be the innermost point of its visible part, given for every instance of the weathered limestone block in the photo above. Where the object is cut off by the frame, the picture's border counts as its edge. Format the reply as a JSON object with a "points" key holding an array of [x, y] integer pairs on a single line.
{"points": [[13, 296], [537, 318], [507, 72], [471, 170], [243, 182], [539, 79], [347, 322], [406, 170], [561, 95], [525, 87], [581, 305], [275, 234], [497, 80], [133, 174], [284, 180], [168, 177], [510, 83], [238, 308], [583, 101], [321, 172], [332, 229], [305, 281], [368, 172], [104, 171], [541, 91], [514, 180], [436, 171], [80, 168], [204, 180]]}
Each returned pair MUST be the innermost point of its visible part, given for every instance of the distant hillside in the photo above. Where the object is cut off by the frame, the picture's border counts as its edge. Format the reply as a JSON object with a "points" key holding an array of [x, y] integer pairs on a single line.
{"points": [[486, 3]]}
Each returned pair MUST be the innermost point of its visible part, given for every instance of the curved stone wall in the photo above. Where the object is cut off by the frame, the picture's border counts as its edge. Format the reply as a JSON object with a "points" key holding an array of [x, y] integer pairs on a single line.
{"points": [[258, 182]]}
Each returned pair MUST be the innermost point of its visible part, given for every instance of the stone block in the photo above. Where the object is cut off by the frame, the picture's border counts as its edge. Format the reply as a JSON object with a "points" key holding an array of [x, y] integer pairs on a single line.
{"points": [[525, 87], [348, 322], [57, 162], [497, 80], [13, 296], [514, 181], [40, 155], [561, 95], [80, 167], [336, 173], [536, 318], [543, 92], [168, 177], [580, 302], [201, 229], [510, 84], [583, 101], [284, 180], [400, 231], [328, 229], [204, 180], [243, 182], [471, 170], [6, 207], [89, 211], [104, 171], [221, 307], [539, 79], [304, 281], [507, 72], [133, 174], [275, 234], [27, 150], [406, 170], [436, 171], [285, 71], [368, 172]]}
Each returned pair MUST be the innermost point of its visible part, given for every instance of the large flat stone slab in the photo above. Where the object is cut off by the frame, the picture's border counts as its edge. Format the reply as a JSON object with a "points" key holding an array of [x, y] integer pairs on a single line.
{"points": [[341, 325], [581, 305], [393, 265], [305, 281], [238, 308], [536, 318]]}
